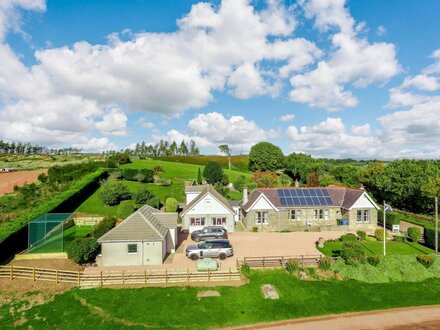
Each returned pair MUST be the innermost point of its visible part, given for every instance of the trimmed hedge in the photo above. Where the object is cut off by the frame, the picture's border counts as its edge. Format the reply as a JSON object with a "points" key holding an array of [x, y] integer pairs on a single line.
{"points": [[142, 175], [392, 218], [65, 201], [429, 235], [353, 253], [362, 235], [125, 209], [103, 226], [414, 233], [348, 238], [378, 233]]}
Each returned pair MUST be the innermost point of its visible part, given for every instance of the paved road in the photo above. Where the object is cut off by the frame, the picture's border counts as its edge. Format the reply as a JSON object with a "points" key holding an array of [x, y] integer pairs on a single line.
{"points": [[412, 318]]}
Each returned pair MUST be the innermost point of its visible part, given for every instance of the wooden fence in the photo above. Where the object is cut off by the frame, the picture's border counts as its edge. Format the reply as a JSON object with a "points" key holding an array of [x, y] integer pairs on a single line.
{"points": [[117, 277], [278, 261]]}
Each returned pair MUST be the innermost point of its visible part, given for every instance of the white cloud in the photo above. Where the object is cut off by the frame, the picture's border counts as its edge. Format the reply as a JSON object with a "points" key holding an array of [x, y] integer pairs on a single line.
{"points": [[146, 124], [381, 30], [96, 145], [287, 117], [353, 61], [422, 82], [113, 123]]}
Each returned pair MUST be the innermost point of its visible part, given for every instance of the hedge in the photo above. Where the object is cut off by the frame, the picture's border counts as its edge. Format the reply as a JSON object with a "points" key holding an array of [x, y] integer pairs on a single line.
{"points": [[65, 201], [131, 174], [392, 218], [429, 235]]}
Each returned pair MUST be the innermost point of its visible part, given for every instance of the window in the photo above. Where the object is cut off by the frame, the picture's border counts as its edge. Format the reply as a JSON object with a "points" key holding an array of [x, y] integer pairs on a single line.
{"points": [[366, 216], [326, 214], [261, 217], [359, 216], [219, 221], [315, 214], [321, 214], [197, 221], [295, 215], [132, 248]]}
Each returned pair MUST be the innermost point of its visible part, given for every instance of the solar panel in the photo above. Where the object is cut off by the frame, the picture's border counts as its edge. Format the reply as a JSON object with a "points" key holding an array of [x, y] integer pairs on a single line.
{"points": [[318, 192], [300, 193], [312, 192], [307, 192], [283, 201], [304, 197], [294, 193]]}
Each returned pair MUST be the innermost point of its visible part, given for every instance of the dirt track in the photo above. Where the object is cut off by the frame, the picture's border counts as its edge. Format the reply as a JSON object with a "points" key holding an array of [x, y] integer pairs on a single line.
{"points": [[19, 178], [425, 317]]}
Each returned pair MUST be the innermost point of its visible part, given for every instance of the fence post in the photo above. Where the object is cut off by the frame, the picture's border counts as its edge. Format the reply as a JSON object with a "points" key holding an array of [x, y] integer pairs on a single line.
{"points": [[145, 276], [230, 274], [209, 275], [33, 274], [123, 277], [12, 273], [56, 276], [100, 278], [166, 275], [264, 262], [79, 279], [187, 275], [282, 261]]}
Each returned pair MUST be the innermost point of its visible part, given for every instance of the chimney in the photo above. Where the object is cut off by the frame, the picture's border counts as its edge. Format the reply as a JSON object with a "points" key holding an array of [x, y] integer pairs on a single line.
{"points": [[296, 183], [245, 196]]}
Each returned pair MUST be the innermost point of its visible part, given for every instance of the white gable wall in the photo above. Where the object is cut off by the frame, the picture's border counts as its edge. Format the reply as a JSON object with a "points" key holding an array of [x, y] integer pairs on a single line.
{"points": [[363, 203], [190, 196], [208, 205], [262, 204]]}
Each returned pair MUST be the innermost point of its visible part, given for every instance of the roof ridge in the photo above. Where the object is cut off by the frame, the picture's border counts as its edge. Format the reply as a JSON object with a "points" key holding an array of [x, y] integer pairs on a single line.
{"points": [[151, 224]]}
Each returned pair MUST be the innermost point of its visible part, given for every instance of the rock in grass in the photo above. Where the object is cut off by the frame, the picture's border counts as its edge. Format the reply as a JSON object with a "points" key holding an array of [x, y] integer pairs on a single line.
{"points": [[269, 292], [208, 293]]}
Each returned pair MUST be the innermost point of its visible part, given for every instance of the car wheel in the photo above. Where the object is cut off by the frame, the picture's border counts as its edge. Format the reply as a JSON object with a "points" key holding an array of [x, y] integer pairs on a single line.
{"points": [[194, 257], [222, 256]]}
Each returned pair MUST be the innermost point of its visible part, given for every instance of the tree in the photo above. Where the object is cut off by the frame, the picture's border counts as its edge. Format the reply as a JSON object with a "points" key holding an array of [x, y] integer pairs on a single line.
{"points": [[112, 193], [299, 166], [213, 172], [221, 189], [265, 179], [171, 205], [183, 149], [285, 180], [83, 250], [142, 196], [224, 148], [313, 179], [431, 188], [265, 156], [199, 177], [240, 183]]}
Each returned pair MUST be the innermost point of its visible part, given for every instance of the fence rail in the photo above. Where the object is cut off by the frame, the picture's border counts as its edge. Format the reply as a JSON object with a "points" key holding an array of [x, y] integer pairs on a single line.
{"points": [[117, 277], [278, 261]]}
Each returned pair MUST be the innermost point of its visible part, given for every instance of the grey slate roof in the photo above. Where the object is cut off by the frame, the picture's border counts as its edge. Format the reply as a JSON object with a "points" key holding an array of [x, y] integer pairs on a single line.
{"points": [[146, 224], [208, 189], [340, 196]]}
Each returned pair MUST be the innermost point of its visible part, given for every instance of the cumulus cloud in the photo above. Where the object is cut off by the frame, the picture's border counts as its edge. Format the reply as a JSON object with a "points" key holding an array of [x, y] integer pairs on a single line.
{"points": [[113, 123], [381, 30], [287, 117], [353, 61]]}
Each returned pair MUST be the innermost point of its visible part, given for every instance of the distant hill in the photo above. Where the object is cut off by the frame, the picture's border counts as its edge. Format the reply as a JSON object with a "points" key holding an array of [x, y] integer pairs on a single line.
{"points": [[239, 163]]}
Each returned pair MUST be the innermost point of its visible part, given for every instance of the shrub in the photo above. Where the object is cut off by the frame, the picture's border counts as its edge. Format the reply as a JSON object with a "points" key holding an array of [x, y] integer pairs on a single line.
{"points": [[83, 250], [292, 265], [125, 209], [311, 271], [392, 218], [114, 192], [399, 239], [142, 196], [348, 238], [353, 253], [378, 233], [426, 261], [414, 233], [104, 226], [254, 229], [129, 174], [429, 234], [265, 179], [154, 202], [213, 172], [361, 234], [373, 260], [325, 263], [245, 269], [171, 205]]}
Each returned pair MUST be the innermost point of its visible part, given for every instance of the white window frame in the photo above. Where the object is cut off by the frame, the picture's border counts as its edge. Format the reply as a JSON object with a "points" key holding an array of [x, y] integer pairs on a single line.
{"points": [[315, 214], [366, 216], [197, 221], [215, 221], [359, 216], [128, 248], [261, 217], [326, 214]]}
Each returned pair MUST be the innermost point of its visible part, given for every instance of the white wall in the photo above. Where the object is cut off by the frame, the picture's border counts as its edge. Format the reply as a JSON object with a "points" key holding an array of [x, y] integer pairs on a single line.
{"points": [[190, 196], [116, 254], [209, 205], [262, 204], [362, 202]]}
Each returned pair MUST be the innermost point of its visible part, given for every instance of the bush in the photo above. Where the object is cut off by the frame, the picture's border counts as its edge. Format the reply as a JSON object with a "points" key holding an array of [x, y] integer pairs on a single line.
{"points": [[414, 233], [265, 156], [113, 193], [129, 174], [83, 250], [142, 196], [399, 239], [373, 260], [254, 229], [325, 263], [292, 265], [353, 253], [154, 202], [171, 205], [392, 218], [429, 234], [104, 226], [125, 209], [426, 261], [362, 235], [348, 238], [378, 233], [245, 269]]}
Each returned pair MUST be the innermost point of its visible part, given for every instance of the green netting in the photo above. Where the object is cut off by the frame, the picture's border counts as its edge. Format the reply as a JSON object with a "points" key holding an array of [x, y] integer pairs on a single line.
{"points": [[46, 233]]}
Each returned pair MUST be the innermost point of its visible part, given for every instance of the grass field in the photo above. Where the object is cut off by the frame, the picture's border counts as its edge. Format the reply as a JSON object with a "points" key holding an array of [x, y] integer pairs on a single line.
{"points": [[376, 248], [32, 162], [178, 173], [61, 241], [179, 307], [238, 163]]}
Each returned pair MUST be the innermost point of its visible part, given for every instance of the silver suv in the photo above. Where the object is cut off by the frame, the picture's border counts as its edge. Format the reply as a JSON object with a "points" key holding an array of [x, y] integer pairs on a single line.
{"points": [[209, 232], [216, 248]]}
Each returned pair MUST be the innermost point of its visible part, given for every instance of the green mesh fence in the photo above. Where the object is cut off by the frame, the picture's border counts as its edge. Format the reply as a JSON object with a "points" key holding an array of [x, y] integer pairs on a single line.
{"points": [[47, 233]]}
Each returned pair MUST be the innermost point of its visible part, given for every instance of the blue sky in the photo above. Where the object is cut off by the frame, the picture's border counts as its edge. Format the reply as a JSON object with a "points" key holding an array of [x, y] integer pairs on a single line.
{"points": [[331, 78]]}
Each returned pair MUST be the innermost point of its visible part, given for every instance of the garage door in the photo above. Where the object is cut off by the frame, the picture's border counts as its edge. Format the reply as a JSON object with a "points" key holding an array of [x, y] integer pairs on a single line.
{"points": [[152, 253]]}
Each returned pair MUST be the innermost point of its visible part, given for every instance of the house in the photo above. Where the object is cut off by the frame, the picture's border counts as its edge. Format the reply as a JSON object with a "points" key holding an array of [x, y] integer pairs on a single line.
{"points": [[144, 238], [206, 207], [324, 208]]}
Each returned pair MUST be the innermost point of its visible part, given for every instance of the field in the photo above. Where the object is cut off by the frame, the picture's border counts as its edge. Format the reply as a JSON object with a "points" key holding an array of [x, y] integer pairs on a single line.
{"points": [[239, 163], [32, 162], [376, 248], [19, 178], [156, 307], [178, 173]]}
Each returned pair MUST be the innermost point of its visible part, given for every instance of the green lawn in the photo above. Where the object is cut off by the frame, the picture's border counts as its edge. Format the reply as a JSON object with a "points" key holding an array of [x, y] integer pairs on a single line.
{"points": [[376, 248], [177, 172], [179, 307], [61, 241]]}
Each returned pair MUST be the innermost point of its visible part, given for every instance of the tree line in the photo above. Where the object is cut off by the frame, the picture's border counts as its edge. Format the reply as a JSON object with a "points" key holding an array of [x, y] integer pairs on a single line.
{"points": [[164, 148], [20, 148]]}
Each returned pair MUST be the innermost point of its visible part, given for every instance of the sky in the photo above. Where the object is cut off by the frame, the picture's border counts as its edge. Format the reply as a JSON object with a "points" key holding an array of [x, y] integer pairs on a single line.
{"points": [[330, 78]]}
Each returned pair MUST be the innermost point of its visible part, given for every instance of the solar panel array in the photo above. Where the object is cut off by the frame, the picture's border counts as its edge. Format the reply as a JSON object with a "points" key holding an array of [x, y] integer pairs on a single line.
{"points": [[304, 197]]}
